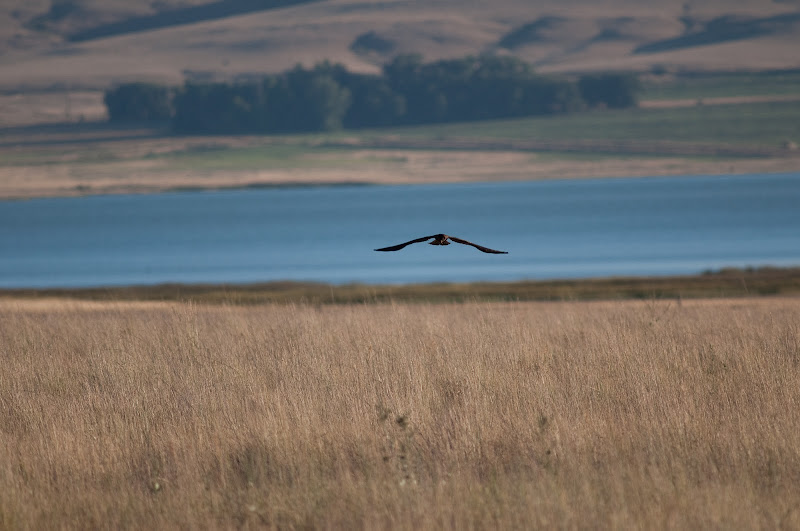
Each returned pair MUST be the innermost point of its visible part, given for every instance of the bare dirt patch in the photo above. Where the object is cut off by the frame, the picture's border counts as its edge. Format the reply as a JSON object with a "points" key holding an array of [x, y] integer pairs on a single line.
{"points": [[29, 108]]}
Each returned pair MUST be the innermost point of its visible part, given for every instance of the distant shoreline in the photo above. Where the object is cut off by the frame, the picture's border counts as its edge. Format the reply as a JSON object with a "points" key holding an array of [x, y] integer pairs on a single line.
{"points": [[561, 170], [139, 190]]}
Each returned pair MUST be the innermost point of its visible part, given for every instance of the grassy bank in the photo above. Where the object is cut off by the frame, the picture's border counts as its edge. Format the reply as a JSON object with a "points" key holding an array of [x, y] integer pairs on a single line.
{"points": [[637, 414], [725, 283]]}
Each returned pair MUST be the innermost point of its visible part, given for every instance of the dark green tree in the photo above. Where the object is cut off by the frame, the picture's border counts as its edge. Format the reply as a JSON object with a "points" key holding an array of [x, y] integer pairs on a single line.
{"points": [[476, 88], [214, 108], [137, 102], [410, 91], [408, 76], [319, 101], [612, 90]]}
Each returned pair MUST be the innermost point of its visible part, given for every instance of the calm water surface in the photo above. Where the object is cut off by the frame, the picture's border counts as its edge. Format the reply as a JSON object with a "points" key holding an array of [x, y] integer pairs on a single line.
{"points": [[552, 229]]}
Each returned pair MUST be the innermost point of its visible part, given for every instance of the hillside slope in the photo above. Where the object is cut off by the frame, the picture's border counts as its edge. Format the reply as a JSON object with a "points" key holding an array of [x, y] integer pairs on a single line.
{"points": [[94, 43]]}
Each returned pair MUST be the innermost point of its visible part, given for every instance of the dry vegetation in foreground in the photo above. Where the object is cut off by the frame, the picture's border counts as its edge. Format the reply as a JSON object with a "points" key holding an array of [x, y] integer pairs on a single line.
{"points": [[485, 415]]}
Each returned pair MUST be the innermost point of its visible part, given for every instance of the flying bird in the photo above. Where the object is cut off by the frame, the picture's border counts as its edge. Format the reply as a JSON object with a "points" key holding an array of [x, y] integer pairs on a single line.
{"points": [[441, 239]]}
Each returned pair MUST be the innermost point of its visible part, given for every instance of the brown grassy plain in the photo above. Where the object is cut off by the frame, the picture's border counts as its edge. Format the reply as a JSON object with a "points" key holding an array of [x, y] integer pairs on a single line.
{"points": [[636, 414]]}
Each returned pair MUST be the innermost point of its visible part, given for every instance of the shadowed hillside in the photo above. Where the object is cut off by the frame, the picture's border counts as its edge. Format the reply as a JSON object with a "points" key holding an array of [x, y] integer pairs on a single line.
{"points": [[177, 17], [724, 29], [93, 44]]}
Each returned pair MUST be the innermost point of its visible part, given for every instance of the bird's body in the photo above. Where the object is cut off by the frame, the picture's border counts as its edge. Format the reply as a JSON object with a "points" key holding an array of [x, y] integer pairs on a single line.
{"points": [[441, 239]]}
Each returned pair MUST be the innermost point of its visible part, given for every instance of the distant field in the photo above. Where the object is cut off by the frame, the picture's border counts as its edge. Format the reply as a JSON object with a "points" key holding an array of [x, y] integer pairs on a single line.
{"points": [[747, 124], [637, 414], [76, 159], [720, 85], [734, 127], [755, 124]]}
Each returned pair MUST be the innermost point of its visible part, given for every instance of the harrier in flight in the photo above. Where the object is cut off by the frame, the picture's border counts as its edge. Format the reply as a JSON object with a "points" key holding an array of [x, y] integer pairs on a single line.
{"points": [[441, 239]]}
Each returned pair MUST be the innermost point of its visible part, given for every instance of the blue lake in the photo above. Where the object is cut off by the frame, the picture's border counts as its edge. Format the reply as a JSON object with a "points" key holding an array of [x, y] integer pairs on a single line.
{"points": [[551, 229]]}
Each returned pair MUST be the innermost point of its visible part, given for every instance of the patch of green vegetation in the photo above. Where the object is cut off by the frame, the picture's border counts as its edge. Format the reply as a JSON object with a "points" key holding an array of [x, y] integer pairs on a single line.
{"points": [[225, 157], [25, 158], [694, 86], [278, 156], [757, 124], [93, 156], [54, 157], [577, 156]]}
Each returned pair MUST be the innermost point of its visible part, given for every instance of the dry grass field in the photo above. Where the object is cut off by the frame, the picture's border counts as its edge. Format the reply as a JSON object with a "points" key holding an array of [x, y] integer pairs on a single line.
{"points": [[633, 414]]}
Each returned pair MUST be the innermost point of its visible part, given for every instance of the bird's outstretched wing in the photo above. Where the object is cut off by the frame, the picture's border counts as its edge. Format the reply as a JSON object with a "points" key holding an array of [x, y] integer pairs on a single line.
{"points": [[401, 245], [479, 247]]}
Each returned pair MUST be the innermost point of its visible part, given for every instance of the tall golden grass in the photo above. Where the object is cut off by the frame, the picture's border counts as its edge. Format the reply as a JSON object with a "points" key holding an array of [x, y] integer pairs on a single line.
{"points": [[470, 416]]}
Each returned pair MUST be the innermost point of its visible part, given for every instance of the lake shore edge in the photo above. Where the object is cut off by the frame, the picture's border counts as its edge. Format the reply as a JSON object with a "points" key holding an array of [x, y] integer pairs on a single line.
{"points": [[565, 171], [724, 283]]}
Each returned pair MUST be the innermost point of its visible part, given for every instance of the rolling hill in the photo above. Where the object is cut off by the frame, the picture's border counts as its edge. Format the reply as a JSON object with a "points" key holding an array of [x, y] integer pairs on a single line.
{"points": [[91, 44]]}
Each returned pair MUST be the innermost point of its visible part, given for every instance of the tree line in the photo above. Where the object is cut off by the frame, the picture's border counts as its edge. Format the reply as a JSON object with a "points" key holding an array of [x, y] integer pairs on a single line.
{"points": [[408, 91]]}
